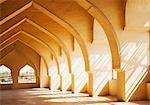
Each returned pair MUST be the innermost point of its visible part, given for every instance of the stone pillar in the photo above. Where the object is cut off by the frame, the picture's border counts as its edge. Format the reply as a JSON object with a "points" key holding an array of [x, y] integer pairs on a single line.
{"points": [[90, 84], [73, 83], [121, 85]]}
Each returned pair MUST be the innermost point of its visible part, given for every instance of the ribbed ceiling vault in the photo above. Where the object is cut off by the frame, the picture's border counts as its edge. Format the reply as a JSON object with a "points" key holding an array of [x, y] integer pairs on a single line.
{"points": [[51, 16], [43, 15]]}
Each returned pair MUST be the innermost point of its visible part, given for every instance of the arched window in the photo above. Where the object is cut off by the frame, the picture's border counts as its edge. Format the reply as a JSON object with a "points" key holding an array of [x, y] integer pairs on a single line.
{"points": [[5, 75], [27, 75]]}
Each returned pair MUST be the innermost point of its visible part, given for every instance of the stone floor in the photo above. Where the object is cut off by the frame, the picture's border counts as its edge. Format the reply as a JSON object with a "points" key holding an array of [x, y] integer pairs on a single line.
{"points": [[38, 96]]}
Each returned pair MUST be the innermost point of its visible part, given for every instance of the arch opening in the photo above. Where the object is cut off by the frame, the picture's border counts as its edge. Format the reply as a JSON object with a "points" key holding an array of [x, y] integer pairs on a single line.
{"points": [[27, 75], [5, 75]]}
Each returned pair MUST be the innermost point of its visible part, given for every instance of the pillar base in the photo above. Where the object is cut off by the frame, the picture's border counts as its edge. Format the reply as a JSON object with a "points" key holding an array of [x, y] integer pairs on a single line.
{"points": [[113, 87], [98, 84], [79, 82], [90, 88], [148, 91], [54, 82], [65, 82], [121, 85]]}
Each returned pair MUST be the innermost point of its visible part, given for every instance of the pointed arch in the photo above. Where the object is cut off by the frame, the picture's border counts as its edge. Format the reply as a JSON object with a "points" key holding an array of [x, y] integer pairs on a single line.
{"points": [[70, 29], [5, 75], [108, 28], [27, 74]]}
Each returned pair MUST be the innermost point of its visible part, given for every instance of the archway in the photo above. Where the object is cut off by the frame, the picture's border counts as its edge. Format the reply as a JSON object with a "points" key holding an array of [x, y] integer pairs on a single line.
{"points": [[27, 75], [5, 75]]}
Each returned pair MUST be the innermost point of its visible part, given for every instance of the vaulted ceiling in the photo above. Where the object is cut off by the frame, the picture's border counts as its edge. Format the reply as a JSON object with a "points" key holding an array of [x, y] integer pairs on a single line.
{"points": [[33, 22], [51, 26]]}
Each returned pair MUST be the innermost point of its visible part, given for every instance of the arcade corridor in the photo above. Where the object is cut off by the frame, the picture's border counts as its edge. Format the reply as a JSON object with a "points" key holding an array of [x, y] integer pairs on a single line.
{"points": [[68, 52]]}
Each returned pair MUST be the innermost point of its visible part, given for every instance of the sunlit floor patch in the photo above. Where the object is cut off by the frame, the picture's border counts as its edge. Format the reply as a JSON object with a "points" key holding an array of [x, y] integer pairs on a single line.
{"points": [[39, 96]]}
